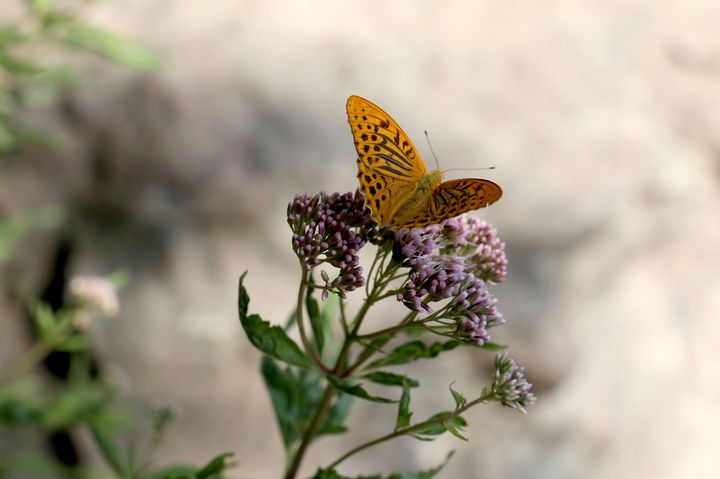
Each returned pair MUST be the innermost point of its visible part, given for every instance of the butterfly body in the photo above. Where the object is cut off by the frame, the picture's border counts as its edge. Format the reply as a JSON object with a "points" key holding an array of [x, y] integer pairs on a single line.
{"points": [[393, 179]]}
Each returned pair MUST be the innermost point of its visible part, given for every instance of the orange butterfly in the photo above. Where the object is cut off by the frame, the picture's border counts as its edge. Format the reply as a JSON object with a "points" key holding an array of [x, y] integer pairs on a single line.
{"points": [[397, 187]]}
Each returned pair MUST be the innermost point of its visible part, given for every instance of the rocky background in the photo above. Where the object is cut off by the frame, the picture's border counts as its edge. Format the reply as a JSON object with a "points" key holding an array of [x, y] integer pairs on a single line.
{"points": [[603, 122]]}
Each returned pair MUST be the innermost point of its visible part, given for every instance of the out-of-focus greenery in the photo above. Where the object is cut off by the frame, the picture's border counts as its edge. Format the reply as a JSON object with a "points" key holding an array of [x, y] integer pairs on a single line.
{"points": [[28, 403], [35, 50]]}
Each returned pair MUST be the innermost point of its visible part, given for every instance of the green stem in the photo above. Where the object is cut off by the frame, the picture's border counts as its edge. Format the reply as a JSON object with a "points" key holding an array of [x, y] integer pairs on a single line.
{"points": [[410, 429], [329, 392], [36, 353], [310, 431], [405, 323], [302, 290]]}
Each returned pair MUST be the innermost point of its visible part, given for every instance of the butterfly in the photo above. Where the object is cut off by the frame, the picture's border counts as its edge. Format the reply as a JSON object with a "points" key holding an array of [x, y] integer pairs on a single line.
{"points": [[397, 187]]}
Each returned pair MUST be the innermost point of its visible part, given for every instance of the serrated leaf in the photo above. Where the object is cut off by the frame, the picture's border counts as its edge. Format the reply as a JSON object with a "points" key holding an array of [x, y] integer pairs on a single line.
{"points": [[294, 396], [391, 379], [111, 46], [269, 339], [455, 431], [358, 391], [335, 421], [460, 400], [316, 323], [216, 465], [412, 351], [404, 414]]}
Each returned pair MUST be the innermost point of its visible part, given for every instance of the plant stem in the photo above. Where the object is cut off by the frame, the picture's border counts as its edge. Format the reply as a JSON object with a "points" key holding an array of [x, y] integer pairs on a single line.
{"points": [[301, 323], [30, 358], [310, 431], [337, 370], [410, 429]]}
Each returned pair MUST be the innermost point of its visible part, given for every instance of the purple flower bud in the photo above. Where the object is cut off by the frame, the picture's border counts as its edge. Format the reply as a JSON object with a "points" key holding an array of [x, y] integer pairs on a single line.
{"points": [[509, 386], [331, 229]]}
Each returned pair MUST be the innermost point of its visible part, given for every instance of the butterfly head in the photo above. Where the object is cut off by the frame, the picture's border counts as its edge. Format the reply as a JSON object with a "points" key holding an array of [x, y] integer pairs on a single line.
{"points": [[430, 181]]}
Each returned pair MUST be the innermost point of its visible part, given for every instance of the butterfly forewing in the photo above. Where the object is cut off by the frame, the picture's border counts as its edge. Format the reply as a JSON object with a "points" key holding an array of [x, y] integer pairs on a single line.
{"points": [[383, 194], [381, 144]]}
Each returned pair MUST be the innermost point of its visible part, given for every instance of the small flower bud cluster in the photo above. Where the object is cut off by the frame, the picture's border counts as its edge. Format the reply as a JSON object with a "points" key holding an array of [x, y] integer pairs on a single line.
{"points": [[509, 386], [94, 293], [457, 260], [478, 240], [331, 229]]}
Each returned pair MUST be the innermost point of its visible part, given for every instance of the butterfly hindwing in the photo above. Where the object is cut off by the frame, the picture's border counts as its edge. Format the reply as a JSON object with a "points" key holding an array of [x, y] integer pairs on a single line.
{"points": [[452, 198], [380, 142]]}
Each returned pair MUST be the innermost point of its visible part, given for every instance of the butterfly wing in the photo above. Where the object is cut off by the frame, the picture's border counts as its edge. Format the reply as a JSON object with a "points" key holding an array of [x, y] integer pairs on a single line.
{"points": [[452, 198], [383, 194], [381, 144]]}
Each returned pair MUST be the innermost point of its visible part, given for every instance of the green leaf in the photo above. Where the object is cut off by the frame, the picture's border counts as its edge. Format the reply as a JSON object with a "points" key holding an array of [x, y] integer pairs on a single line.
{"points": [[18, 67], [404, 414], [413, 351], [216, 465], [269, 339], [175, 472], [114, 47], [18, 408], [440, 427], [358, 391], [294, 397], [460, 400], [40, 7], [313, 310], [426, 474], [107, 449], [335, 421], [391, 379], [7, 139], [455, 431], [490, 346], [73, 344]]}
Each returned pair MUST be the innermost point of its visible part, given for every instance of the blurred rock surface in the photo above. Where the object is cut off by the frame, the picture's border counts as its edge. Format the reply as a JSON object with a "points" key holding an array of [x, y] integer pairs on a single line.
{"points": [[602, 118]]}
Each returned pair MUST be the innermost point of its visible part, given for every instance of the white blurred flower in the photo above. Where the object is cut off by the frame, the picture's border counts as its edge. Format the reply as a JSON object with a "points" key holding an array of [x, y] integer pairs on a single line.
{"points": [[95, 293]]}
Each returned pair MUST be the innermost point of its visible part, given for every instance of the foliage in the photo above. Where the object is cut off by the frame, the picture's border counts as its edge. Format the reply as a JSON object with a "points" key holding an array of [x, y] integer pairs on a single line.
{"points": [[29, 78]]}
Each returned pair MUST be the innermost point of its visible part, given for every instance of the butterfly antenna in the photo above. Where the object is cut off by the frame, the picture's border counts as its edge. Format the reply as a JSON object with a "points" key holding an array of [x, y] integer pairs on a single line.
{"points": [[427, 137], [470, 169]]}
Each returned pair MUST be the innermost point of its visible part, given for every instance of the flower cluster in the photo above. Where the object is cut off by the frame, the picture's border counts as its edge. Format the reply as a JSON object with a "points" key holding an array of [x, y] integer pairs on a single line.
{"points": [[509, 386], [331, 229], [478, 241], [457, 260], [95, 293]]}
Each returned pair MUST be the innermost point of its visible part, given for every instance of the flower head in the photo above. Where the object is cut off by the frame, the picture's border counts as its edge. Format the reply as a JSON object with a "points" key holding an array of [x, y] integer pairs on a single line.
{"points": [[331, 229], [456, 259], [509, 386], [95, 293]]}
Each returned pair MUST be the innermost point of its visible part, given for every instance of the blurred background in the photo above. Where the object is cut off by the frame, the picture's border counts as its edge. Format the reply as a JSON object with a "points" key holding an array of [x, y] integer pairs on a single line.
{"points": [[601, 118]]}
